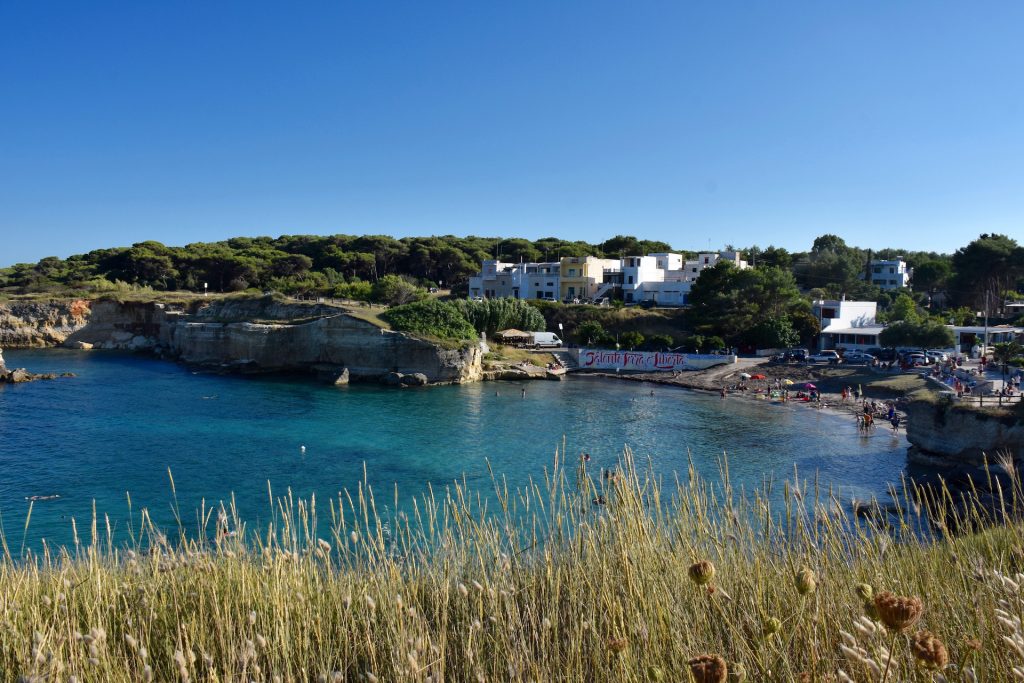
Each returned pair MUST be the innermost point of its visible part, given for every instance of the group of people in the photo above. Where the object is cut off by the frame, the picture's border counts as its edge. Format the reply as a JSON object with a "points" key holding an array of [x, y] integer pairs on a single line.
{"points": [[870, 410]]}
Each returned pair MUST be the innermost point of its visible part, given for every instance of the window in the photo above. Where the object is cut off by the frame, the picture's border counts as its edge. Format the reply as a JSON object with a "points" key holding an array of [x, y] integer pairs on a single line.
{"points": [[629, 280], [572, 272], [878, 269], [892, 282], [828, 313], [891, 270], [705, 260]]}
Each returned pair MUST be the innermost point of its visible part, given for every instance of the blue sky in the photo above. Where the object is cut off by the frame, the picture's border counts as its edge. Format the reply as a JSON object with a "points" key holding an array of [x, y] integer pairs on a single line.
{"points": [[889, 123]]}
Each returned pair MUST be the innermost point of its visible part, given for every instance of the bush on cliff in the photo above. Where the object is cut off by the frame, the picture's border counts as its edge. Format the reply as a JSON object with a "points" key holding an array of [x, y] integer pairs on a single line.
{"points": [[432, 318], [493, 315]]}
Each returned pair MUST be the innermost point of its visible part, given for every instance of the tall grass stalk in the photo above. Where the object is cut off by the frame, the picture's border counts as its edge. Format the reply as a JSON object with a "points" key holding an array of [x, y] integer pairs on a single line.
{"points": [[576, 577]]}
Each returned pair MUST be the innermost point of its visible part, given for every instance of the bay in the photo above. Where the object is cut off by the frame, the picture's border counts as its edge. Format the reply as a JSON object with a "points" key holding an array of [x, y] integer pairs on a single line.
{"points": [[124, 421]]}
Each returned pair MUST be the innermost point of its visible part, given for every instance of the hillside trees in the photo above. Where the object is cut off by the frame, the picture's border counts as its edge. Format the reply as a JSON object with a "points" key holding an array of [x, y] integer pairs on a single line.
{"points": [[760, 307], [986, 268]]}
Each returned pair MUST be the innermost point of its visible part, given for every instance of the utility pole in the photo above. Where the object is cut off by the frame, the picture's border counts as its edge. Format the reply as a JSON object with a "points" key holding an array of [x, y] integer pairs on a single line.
{"points": [[984, 351]]}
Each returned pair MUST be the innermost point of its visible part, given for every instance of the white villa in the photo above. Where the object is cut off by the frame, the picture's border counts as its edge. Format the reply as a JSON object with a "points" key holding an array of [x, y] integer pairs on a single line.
{"points": [[662, 278], [888, 274], [851, 325]]}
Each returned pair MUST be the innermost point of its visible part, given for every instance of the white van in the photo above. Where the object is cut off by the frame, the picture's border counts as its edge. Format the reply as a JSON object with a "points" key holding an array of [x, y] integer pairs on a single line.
{"points": [[546, 340]]}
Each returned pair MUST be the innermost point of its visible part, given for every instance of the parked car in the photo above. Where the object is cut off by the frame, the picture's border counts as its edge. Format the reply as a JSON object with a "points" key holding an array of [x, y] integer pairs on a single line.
{"points": [[884, 355], [857, 357], [915, 359], [545, 340], [825, 357], [939, 356], [795, 355]]}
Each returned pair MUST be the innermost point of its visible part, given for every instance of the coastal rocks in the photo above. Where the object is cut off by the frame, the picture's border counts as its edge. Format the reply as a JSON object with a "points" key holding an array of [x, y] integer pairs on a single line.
{"points": [[946, 433], [21, 375], [38, 324], [224, 335], [392, 379], [342, 378], [416, 379]]}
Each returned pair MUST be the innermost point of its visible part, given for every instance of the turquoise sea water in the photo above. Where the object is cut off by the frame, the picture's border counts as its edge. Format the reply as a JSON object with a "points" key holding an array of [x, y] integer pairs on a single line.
{"points": [[124, 420]]}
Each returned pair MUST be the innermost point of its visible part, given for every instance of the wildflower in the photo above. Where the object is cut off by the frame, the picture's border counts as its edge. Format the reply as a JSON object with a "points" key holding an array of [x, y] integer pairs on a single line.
{"points": [[771, 626], [616, 645], [805, 581], [147, 674], [737, 672], [463, 589], [896, 612], [132, 643], [708, 669], [370, 602], [545, 624], [929, 651], [864, 591], [701, 573], [261, 641], [252, 618], [354, 536], [324, 545]]}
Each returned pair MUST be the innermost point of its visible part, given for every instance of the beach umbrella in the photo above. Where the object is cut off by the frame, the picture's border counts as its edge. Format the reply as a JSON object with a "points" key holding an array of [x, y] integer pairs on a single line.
{"points": [[787, 382], [758, 377], [744, 375], [809, 386]]}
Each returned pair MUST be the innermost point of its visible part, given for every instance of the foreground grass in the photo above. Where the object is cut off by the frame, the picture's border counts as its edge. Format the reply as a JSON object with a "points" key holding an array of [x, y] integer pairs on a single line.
{"points": [[546, 586]]}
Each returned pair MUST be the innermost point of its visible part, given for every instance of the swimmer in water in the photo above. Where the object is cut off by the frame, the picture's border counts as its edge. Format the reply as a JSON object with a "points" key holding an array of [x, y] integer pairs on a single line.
{"points": [[302, 449]]}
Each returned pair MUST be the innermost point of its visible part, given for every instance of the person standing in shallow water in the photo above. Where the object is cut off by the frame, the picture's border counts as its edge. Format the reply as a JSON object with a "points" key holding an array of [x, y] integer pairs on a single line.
{"points": [[524, 392]]}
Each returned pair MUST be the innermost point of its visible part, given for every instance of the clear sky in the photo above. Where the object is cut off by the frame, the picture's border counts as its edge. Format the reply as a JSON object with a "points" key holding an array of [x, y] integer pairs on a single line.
{"points": [[889, 123]]}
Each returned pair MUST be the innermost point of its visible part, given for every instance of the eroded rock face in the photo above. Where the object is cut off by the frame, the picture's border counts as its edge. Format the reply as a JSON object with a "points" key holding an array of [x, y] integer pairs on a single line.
{"points": [[35, 324], [945, 433], [224, 334]]}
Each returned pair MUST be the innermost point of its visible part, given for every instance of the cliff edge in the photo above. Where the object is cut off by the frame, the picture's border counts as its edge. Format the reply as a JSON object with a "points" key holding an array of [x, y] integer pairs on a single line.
{"points": [[244, 335], [944, 432]]}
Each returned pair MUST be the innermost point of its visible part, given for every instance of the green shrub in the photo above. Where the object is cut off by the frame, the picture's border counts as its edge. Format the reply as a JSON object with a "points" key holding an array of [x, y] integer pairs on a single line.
{"points": [[433, 318]]}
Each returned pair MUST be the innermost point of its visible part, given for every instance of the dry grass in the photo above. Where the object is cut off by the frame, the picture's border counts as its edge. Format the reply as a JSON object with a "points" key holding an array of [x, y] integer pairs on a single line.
{"points": [[543, 586]]}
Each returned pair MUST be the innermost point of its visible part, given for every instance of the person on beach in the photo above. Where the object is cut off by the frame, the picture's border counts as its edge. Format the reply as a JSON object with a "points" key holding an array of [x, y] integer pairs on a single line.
{"points": [[895, 422]]}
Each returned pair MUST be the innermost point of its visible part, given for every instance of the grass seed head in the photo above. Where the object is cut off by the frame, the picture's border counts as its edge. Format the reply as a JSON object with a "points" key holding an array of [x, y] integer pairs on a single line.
{"points": [[896, 612], [701, 573], [617, 645], [708, 669]]}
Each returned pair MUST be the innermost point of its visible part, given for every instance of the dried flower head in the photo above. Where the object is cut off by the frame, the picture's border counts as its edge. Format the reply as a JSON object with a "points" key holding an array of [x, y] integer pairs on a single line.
{"points": [[896, 612], [616, 645], [701, 573], [708, 669], [771, 626], [805, 581], [929, 651], [864, 591]]}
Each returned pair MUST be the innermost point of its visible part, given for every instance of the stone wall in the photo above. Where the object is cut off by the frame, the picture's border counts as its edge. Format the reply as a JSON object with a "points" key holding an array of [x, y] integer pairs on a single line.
{"points": [[945, 433]]}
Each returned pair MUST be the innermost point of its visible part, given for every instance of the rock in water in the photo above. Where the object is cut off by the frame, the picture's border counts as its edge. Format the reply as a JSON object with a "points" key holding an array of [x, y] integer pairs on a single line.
{"points": [[393, 379], [342, 378], [416, 379]]}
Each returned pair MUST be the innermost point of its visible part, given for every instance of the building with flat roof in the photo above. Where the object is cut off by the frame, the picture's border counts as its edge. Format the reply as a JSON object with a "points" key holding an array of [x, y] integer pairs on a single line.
{"points": [[888, 274]]}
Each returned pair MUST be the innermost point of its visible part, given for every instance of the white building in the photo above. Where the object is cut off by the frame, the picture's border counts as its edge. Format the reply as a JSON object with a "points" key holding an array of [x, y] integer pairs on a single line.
{"points": [[846, 324], [890, 273], [662, 278]]}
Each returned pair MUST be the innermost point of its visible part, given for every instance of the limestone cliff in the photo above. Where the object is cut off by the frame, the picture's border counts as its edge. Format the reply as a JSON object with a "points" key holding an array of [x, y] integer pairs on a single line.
{"points": [[32, 324], [945, 433], [251, 335]]}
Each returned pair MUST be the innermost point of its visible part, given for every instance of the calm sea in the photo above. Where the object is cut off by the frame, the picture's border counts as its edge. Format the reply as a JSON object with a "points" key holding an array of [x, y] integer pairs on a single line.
{"points": [[124, 420]]}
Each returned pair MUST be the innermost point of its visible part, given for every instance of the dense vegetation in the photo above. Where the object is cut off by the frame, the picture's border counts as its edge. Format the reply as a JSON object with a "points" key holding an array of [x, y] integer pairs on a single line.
{"points": [[690, 583], [462, 319], [765, 307]]}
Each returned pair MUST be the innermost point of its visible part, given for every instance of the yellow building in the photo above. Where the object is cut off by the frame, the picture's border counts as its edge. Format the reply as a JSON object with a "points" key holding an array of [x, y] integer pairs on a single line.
{"points": [[582, 276]]}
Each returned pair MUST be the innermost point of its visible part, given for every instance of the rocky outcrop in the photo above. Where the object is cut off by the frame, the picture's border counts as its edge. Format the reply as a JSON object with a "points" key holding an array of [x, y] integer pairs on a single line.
{"points": [[256, 335], [943, 432], [37, 324]]}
